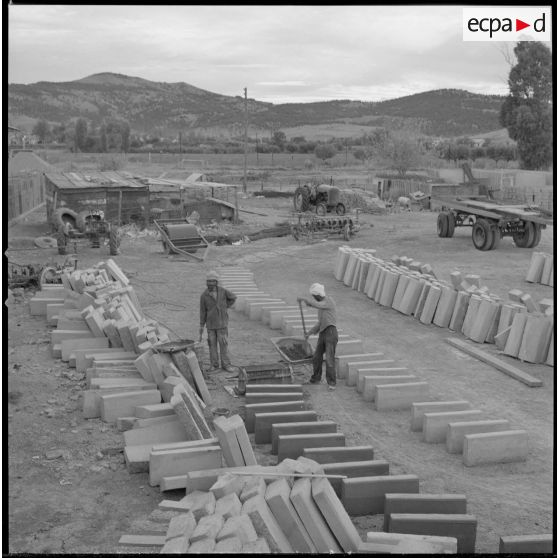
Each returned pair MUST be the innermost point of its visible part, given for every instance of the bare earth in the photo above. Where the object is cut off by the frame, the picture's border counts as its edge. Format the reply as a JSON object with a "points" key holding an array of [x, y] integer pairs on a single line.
{"points": [[83, 498]]}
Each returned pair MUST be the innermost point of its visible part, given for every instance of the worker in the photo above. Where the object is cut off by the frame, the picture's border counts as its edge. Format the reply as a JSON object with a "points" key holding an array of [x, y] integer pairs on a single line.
{"points": [[327, 339], [214, 304]]}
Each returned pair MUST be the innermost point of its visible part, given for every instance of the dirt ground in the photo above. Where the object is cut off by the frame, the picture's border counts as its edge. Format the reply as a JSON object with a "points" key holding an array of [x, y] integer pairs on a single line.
{"points": [[69, 489]]}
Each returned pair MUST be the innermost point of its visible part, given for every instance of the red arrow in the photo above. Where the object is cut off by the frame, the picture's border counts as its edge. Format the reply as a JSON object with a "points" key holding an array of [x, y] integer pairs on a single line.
{"points": [[519, 25]]}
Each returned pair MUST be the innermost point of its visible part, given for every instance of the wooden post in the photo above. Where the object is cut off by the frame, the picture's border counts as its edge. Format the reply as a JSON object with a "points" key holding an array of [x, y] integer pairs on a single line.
{"points": [[120, 208], [236, 211], [244, 185]]}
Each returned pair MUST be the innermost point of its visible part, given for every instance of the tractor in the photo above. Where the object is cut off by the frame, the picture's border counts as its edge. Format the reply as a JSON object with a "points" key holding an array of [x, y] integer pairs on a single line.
{"points": [[323, 197]]}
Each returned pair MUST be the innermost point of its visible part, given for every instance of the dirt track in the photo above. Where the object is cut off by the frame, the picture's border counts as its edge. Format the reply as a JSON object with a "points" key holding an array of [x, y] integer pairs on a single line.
{"points": [[103, 501]]}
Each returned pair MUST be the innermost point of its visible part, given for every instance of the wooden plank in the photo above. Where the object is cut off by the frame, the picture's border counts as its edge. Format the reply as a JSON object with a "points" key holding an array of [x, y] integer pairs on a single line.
{"points": [[143, 540], [500, 365]]}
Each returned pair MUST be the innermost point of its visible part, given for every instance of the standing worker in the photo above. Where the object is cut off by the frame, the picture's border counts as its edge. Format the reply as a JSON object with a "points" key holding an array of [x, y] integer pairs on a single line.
{"points": [[214, 304], [327, 339]]}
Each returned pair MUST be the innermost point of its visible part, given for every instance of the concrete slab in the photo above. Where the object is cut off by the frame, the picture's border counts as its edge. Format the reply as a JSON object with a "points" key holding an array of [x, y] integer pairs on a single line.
{"points": [[456, 431], [526, 544], [282, 406], [239, 526], [461, 526], [435, 425], [352, 469], [271, 397], [341, 362], [124, 404], [378, 378], [289, 428], [495, 447], [418, 410], [265, 421], [353, 368], [400, 396], [366, 495], [292, 445], [397, 543], [339, 454]]}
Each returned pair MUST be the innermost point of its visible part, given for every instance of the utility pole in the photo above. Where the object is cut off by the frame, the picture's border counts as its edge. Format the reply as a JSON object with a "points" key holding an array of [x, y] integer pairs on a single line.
{"points": [[257, 151], [244, 186]]}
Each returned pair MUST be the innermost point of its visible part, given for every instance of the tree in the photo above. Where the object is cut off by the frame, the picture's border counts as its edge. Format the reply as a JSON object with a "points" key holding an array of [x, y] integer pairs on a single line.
{"points": [[41, 129], [400, 154], [527, 111], [324, 151], [81, 134], [279, 139]]}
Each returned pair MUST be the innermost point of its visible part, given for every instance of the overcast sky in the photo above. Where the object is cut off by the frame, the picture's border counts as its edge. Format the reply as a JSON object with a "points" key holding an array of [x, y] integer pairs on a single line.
{"points": [[280, 53]]}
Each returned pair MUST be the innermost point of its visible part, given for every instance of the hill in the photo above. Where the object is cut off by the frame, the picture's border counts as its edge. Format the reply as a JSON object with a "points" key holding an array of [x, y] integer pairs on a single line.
{"points": [[173, 107]]}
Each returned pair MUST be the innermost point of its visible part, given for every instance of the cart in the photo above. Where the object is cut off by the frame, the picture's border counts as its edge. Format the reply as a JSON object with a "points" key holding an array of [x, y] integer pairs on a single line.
{"points": [[310, 226], [490, 221], [178, 236]]}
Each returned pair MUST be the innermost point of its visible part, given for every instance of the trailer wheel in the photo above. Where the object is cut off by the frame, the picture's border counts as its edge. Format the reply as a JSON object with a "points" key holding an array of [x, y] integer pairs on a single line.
{"points": [[442, 224], [451, 224], [537, 237], [301, 200], [497, 236], [482, 234], [525, 238]]}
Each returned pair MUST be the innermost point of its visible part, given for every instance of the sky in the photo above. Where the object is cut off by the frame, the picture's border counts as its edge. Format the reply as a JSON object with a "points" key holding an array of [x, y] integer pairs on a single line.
{"points": [[281, 54]]}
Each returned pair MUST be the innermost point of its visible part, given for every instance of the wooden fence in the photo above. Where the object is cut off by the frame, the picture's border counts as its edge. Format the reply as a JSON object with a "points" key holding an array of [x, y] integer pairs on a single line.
{"points": [[25, 192]]}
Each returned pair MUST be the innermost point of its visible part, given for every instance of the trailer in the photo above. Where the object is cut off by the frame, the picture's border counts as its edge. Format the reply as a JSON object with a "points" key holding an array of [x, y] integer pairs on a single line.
{"points": [[491, 221]]}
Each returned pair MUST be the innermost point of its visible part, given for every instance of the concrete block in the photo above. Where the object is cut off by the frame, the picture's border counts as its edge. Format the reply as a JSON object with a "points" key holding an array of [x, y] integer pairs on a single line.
{"points": [[430, 304], [377, 378], [459, 311], [123, 404], [342, 362], [366, 495], [293, 445], [472, 308], [482, 321], [181, 525], [69, 345], [259, 546], [335, 515], [435, 425], [312, 518], [142, 540], [400, 396], [289, 428], [180, 461], [266, 525], [276, 315], [456, 431], [200, 503], [38, 305], [423, 503], [242, 439], [495, 447], [228, 483], [277, 497], [255, 308], [348, 347], [229, 442], [203, 546], [273, 388], [411, 295], [400, 291], [207, 528], [156, 410], [339, 454], [536, 338], [163, 433], [230, 546], [204, 480], [238, 526], [281, 406], [176, 545], [445, 308], [526, 544], [253, 486], [397, 543], [272, 397], [59, 335], [353, 469], [354, 367], [418, 410], [265, 421], [461, 526]]}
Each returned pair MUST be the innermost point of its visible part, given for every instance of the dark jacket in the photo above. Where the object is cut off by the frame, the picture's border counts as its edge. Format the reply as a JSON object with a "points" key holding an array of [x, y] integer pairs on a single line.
{"points": [[213, 313]]}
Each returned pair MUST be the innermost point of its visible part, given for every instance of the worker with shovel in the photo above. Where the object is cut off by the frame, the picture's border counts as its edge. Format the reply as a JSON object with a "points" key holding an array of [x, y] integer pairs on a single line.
{"points": [[327, 339], [214, 304]]}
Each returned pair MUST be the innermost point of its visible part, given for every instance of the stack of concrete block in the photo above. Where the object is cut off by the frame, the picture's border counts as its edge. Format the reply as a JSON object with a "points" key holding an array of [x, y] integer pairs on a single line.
{"points": [[294, 509], [541, 269], [468, 432], [462, 305], [527, 544], [234, 440]]}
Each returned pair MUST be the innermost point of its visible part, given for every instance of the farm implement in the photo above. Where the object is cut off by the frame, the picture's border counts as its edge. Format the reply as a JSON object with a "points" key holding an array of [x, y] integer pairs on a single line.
{"points": [[310, 226], [178, 236]]}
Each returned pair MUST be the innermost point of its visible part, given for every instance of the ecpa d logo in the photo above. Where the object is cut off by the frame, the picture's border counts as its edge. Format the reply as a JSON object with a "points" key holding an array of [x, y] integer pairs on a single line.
{"points": [[507, 24]]}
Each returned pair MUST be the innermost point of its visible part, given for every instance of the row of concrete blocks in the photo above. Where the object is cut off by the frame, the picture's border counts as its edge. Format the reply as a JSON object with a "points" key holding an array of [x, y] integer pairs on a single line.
{"points": [[479, 316], [293, 434], [276, 313], [541, 269]]}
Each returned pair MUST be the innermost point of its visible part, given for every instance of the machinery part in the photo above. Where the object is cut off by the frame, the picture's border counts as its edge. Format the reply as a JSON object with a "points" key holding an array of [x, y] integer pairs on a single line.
{"points": [[61, 241], [340, 209], [537, 237], [49, 276], [496, 238], [89, 219], [45, 242], [302, 198], [295, 231], [526, 237], [442, 224], [166, 247], [483, 235], [451, 225], [321, 209], [64, 215], [114, 242]]}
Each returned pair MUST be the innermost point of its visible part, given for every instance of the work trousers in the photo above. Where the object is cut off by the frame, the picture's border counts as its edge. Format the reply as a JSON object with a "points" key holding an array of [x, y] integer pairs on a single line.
{"points": [[327, 342], [218, 337]]}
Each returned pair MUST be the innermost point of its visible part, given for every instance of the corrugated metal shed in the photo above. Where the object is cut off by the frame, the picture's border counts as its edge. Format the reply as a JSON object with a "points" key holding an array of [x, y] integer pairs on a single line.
{"points": [[101, 179]]}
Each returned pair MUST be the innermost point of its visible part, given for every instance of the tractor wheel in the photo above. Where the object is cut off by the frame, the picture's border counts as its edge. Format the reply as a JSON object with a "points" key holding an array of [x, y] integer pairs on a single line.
{"points": [[48, 276], [537, 237], [482, 234], [526, 237], [301, 199], [442, 224], [340, 209], [451, 225], [65, 215], [114, 242], [321, 209], [347, 232]]}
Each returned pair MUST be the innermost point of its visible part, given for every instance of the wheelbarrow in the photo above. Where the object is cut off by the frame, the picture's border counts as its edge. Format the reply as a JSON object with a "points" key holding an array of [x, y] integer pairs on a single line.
{"points": [[294, 349]]}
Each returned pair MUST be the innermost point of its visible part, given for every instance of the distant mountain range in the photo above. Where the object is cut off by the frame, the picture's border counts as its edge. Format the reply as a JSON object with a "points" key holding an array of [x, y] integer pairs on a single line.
{"points": [[173, 107]]}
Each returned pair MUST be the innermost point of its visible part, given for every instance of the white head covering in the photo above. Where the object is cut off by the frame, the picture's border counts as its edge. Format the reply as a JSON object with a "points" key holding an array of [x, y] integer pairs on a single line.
{"points": [[317, 289], [212, 276]]}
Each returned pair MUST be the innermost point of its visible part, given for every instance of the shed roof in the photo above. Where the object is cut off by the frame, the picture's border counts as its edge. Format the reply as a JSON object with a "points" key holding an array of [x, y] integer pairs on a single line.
{"points": [[27, 161], [100, 179]]}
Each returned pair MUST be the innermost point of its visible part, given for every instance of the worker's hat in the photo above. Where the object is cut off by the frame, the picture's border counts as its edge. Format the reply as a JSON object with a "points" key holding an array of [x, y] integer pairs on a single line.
{"points": [[212, 276], [317, 289]]}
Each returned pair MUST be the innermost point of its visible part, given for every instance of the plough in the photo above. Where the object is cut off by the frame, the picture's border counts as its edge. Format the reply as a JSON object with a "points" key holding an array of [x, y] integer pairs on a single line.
{"points": [[310, 226]]}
